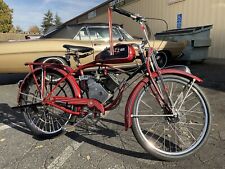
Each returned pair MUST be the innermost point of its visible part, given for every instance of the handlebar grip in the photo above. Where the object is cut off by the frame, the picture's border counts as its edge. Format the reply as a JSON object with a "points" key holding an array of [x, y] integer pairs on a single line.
{"points": [[122, 12], [128, 14]]}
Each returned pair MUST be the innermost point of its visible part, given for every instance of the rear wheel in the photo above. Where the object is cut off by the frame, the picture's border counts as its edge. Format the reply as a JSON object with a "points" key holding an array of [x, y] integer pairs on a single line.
{"points": [[172, 136], [45, 120]]}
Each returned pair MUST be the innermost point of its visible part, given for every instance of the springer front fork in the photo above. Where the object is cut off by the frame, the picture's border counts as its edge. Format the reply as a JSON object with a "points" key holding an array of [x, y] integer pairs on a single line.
{"points": [[161, 93]]}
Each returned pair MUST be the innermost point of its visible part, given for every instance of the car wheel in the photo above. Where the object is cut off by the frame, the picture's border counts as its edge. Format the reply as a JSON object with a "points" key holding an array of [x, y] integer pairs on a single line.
{"points": [[56, 60], [162, 59]]}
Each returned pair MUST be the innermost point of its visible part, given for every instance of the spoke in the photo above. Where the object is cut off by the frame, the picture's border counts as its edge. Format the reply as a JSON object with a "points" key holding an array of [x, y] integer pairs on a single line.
{"points": [[59, 124], [146, 104], [175, 138], [163, 115], [194, 116], [158, 138], [152, 130], [176, 133], [193, 128], [197, 112], [178, 98], [182, 95], [146, 123], [31, 95], [53, 124], [151, 127], [187, 94], [49, 122], [44, 121], [33, 119], [193, 107], [190, 109], [37, 122], [195, 124], [190, 100], [191, 134]]}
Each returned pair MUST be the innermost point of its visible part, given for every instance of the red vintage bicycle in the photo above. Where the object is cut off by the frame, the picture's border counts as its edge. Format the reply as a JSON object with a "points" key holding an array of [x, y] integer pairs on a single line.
{"points": [[168, 113]]}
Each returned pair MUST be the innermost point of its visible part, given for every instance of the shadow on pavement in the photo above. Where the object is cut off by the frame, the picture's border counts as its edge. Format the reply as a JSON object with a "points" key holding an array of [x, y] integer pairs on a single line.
{"points": [[108, 133], [7, 79], [13, 118]]}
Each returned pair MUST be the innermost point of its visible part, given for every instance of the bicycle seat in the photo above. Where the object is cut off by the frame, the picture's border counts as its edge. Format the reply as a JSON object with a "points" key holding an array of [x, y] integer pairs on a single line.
{"points": [[81, 49]]}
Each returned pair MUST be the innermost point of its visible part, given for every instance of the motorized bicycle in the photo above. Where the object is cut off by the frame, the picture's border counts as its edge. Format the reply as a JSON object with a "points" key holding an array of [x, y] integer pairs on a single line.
{"points": [[167, 111]]}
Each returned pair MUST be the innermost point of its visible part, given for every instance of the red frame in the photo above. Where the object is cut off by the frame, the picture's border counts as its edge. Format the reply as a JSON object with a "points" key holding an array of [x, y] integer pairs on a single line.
{"points": [[78, 101]]}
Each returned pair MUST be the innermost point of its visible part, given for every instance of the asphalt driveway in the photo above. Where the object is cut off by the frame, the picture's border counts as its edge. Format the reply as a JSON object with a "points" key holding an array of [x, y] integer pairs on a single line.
{"points": [[110, 147]]}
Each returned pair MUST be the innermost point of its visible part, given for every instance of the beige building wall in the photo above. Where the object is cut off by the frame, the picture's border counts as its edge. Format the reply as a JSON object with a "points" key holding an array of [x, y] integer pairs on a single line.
{"points": [[195, 13]]}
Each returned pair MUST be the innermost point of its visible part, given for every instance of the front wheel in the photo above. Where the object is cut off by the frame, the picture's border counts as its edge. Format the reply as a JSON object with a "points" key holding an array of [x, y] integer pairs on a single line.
{"points": [[172, 136]]}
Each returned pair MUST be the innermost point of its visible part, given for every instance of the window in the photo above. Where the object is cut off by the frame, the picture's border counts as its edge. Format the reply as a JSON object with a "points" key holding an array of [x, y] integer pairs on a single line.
{"points": [[102, 33], [125, 34], [82, 35]]}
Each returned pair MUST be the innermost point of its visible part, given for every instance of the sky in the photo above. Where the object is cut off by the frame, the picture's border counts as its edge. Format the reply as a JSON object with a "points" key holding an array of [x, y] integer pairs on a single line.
{"points": [[27, 13]]}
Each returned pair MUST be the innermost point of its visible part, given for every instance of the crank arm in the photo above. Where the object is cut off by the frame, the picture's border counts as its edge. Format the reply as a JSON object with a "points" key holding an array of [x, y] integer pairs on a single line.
{"points": [[70, 128]]}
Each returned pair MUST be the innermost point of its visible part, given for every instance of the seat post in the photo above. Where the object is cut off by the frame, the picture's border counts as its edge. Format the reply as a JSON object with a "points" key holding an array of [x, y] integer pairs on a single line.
{"points": [[76, 58]]}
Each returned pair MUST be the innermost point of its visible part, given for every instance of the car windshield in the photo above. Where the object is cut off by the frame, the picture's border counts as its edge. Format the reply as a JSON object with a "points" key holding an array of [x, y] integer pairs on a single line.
{"points": [[126, 35], [93, 33], [101, 33]]}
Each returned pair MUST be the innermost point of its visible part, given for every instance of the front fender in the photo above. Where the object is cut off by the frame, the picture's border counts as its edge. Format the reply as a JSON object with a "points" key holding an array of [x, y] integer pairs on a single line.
{"points": [[179, 73], [69, 77], [130, 102], [142, 83]]}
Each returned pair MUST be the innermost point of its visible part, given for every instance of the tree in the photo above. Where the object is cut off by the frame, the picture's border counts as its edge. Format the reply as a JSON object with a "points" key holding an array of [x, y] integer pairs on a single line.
{"points": [[48, 21], [34, 30], [57, 20], [5, 17], [12, 30]]}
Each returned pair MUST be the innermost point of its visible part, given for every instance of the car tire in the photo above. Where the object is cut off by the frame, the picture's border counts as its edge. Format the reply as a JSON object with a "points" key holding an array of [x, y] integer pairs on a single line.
{"points": [[162, 59], [51, 59], [57, 60]]}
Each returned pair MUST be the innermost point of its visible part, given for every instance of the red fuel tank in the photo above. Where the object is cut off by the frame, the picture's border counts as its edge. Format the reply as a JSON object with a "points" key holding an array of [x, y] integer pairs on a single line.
{"points": [[123, 53]]}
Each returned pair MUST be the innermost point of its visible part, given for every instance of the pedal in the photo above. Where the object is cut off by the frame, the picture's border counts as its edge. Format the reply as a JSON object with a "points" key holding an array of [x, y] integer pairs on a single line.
{"points": [[69, 128]]}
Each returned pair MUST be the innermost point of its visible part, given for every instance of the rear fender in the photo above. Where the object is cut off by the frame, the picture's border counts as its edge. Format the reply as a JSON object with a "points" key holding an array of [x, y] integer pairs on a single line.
{"points": [[69, 77], [142, 83]]}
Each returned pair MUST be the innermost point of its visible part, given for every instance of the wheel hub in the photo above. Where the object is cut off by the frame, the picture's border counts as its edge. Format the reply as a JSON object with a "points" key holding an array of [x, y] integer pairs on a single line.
{"points": [[172, 119]]}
